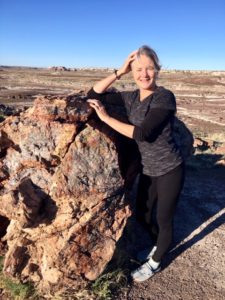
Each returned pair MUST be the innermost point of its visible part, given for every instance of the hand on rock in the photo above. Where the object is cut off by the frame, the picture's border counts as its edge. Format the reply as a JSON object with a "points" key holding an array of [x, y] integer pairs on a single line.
{"points": [[99, 108]]}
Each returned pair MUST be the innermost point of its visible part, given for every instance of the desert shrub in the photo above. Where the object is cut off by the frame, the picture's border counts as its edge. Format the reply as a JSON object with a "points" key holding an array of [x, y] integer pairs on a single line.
{"points": [[14, 289]]}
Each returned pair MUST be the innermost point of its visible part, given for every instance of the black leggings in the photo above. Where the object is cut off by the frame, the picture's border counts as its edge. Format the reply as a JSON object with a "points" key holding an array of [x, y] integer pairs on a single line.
{"points": [[164, 191]]}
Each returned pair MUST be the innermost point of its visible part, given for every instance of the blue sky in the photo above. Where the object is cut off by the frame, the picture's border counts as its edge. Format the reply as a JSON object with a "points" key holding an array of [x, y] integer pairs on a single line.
{"points": [[99, 33]]}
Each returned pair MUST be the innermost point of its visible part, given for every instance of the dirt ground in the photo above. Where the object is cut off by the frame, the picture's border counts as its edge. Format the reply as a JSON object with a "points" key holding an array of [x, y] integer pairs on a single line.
{"points": [[195, 266]]}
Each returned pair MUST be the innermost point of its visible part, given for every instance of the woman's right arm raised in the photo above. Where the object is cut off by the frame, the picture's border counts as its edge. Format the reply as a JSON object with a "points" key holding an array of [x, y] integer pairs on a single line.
{"points": [[102, 85]]}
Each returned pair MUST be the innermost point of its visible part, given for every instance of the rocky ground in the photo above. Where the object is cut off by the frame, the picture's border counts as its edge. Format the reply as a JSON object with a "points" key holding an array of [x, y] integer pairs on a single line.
{"points": [[194, 268]]}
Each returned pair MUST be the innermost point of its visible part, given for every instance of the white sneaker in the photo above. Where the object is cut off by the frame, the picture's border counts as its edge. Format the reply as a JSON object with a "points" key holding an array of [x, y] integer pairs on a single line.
{"points": [[146, 254], [144, 272]]}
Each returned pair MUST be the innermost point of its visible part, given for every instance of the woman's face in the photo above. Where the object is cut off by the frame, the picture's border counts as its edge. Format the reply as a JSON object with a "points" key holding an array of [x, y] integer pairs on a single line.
{"points": [[144, 72]]}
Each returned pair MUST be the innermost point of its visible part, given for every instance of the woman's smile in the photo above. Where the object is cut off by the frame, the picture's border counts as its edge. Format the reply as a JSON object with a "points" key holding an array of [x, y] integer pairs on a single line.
{"points": [[144, 72]]}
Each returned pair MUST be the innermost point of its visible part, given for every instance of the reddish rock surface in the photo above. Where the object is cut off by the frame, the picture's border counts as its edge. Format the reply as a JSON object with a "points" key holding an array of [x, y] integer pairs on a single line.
{"points": [[63, 193]]}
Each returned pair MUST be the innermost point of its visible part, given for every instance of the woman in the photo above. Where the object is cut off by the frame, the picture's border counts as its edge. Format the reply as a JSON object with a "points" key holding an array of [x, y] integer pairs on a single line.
{"points": [[150, 111]]}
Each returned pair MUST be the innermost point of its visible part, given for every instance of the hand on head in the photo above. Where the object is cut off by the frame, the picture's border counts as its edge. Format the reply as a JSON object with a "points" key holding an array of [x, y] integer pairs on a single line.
{"points": [[126, 67]]}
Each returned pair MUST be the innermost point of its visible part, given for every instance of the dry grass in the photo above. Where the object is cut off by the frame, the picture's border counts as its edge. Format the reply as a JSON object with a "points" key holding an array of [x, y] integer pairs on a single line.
{"points": [[14, 290]]}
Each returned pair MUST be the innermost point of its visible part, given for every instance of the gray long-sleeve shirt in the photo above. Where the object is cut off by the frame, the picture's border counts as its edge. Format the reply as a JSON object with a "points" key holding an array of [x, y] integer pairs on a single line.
{"points": [[153, 120]]}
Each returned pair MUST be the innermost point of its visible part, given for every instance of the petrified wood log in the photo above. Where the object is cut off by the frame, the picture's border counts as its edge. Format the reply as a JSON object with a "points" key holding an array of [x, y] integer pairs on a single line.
{"points": [[62, 189]]}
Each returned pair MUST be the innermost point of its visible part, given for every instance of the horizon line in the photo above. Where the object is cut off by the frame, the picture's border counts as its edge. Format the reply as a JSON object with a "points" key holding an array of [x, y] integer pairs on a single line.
{"points": [[105, 68]]}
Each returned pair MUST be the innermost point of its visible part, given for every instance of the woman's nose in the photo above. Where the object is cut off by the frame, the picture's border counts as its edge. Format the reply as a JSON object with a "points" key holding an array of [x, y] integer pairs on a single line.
{"points": [[144, 73]]}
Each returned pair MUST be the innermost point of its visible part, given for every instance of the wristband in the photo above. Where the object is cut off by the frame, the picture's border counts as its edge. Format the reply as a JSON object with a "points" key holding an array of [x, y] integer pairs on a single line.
{"points": [[117, 76]]}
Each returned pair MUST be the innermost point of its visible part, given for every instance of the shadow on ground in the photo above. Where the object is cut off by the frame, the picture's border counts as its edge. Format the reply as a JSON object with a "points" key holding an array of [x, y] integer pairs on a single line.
{"points": [[199, 212], [201, 205]]}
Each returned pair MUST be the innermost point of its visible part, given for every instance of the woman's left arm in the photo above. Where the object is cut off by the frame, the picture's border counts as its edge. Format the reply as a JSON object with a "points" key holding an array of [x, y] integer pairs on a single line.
{"points": [[123, 128]]}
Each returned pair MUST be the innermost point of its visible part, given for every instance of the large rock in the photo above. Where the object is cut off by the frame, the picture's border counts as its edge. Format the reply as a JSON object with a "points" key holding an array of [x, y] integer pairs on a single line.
{"points": [[62, 190]]}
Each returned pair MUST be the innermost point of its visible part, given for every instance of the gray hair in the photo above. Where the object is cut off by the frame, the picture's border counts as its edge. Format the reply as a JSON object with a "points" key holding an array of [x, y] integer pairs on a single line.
{"points": [[149, 52]]}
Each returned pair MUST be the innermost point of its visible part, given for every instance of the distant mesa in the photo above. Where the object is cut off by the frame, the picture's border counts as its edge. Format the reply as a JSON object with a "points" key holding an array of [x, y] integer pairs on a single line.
{"points": [[61, 68]]}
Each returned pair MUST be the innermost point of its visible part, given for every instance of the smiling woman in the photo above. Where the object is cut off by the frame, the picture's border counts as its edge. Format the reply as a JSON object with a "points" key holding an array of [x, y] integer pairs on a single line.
{"points": [[145, 69], [150, 111]]}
